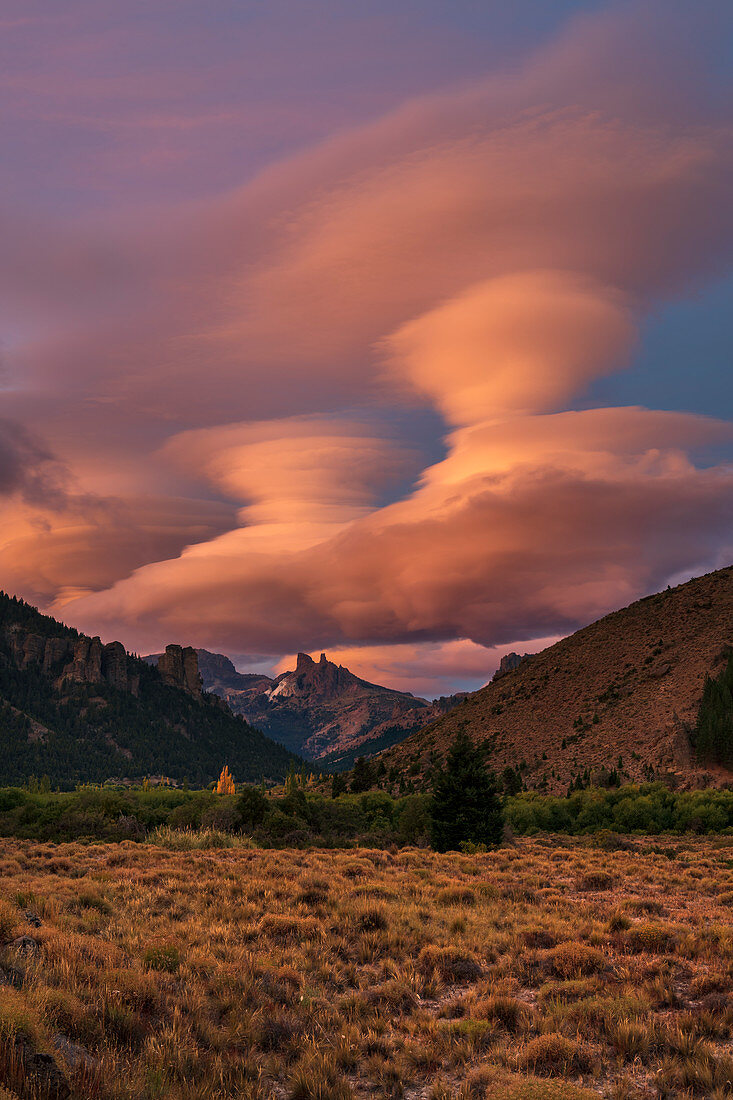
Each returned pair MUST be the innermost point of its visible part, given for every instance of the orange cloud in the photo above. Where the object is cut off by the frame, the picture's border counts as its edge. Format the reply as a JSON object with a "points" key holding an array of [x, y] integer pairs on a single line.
{"points": [[521, 343], [485, 252]]}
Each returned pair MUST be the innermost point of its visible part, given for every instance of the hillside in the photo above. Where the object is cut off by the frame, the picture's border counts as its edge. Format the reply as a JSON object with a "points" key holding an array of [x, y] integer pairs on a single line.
{"points": [[80, 711], [622, 693], [320, 710]]}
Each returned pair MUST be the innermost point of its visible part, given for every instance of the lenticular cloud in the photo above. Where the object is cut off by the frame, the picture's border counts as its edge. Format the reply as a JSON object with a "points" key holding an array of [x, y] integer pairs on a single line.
{"points": [[486, 253]]}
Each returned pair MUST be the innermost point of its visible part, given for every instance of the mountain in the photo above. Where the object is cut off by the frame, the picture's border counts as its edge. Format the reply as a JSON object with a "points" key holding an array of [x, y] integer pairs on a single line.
{"points": [[320, 710], [80, 711], [622, 693]]}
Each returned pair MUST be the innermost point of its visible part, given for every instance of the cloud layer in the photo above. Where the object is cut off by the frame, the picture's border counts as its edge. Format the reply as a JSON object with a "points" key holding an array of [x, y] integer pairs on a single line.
{"points": [[232, 372]]}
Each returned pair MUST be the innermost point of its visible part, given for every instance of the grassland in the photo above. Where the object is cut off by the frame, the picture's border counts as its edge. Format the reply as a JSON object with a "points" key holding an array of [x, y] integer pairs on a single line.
{"points": [[546, 969]]}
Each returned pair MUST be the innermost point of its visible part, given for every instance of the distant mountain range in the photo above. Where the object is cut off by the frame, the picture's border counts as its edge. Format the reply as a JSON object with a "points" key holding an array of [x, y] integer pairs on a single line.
{"points": [[621, 695], [80, 711], [321, 710]]}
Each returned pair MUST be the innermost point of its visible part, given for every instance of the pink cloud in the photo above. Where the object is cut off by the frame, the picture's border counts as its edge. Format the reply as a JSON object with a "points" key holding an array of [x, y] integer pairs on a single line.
{"points": [[486, 251]]}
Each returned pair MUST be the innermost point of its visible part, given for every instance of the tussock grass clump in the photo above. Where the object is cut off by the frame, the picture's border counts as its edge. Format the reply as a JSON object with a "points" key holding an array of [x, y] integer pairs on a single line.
{"points": [[191, 840], [595, 880], [451, 965], [506, 1011], [164, 956], [556, 1055], [371, 920], [576, 960], [618, 922], [277, 926], [650, 939], [8, 920], [317, 1078], [456, 895]]}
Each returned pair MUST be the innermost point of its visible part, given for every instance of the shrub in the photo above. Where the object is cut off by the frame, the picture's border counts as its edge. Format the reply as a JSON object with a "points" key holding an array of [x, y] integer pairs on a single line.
{"points": [[252, 807]]}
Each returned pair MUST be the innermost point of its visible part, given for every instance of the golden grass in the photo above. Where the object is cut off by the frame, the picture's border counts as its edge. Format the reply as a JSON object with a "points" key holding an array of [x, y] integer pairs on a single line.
{"points": [[548, 970]]}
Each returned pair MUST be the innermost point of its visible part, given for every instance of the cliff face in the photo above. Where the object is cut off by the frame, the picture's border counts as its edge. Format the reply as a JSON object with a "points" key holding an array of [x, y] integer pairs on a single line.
{"points": [[81, 711], [179, 667], [79, 660]]}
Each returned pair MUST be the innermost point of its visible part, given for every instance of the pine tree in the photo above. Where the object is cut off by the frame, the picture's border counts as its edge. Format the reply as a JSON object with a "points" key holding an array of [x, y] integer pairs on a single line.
{"points": [[362, 777], [338, 785], [465, 804], [714, 730]]}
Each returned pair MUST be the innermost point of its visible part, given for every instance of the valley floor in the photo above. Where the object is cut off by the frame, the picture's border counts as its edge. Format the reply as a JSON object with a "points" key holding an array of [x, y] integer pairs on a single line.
{"points": [[552, 969]]}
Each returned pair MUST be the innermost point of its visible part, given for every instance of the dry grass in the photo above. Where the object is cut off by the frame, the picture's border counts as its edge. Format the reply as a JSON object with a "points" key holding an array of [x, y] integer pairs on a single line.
{"points": [[543, 971]]}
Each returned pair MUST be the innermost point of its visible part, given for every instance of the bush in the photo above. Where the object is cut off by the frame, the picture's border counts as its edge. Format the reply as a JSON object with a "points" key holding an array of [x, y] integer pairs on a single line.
{"points": [[652, 939], [576, 960], [252, 807]]}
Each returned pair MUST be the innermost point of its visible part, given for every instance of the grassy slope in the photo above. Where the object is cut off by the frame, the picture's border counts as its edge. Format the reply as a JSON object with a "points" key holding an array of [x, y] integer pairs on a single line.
{"points": [[628, 684]]}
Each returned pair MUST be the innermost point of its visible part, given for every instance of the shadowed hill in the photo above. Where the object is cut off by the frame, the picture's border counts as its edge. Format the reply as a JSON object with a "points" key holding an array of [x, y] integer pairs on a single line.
{"points": [[80, 711], [622, 693]]}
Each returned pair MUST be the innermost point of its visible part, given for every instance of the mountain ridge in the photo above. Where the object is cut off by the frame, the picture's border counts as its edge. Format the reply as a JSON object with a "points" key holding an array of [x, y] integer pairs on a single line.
{"points": [[80, 710], [320, 710], [621, 694]]}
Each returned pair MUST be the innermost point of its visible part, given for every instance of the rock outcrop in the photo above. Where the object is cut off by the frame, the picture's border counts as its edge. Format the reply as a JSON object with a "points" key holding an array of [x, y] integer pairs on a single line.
{"points": [[87, 664], [179, 667], [79, 660], [508, 663], [319, 709]]}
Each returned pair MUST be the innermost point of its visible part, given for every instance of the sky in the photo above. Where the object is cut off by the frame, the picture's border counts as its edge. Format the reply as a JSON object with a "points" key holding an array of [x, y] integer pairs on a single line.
{"points": [[396, 331]]}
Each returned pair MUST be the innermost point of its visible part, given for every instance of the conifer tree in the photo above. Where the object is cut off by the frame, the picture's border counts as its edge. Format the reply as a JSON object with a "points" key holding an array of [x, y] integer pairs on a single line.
{"points": [[465, 804], [362, 777], [714, 730]]}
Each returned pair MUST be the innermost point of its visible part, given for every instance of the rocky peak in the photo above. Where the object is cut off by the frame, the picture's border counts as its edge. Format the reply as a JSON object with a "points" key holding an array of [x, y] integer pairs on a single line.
{"points": [[305, 662], [179, 667], [508, 663]]}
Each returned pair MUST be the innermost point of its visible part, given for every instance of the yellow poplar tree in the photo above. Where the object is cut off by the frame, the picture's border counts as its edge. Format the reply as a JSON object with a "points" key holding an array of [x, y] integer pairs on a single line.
{"points": [[226, 783]]}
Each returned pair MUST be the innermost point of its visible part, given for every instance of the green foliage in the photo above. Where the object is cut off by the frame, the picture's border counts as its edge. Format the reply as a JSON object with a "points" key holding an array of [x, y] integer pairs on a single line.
{"points": [[649, 808], [338, 785], [465, 803], [512, 780], [373, 819], [713, 737], [162, 957], [252, 807]]}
